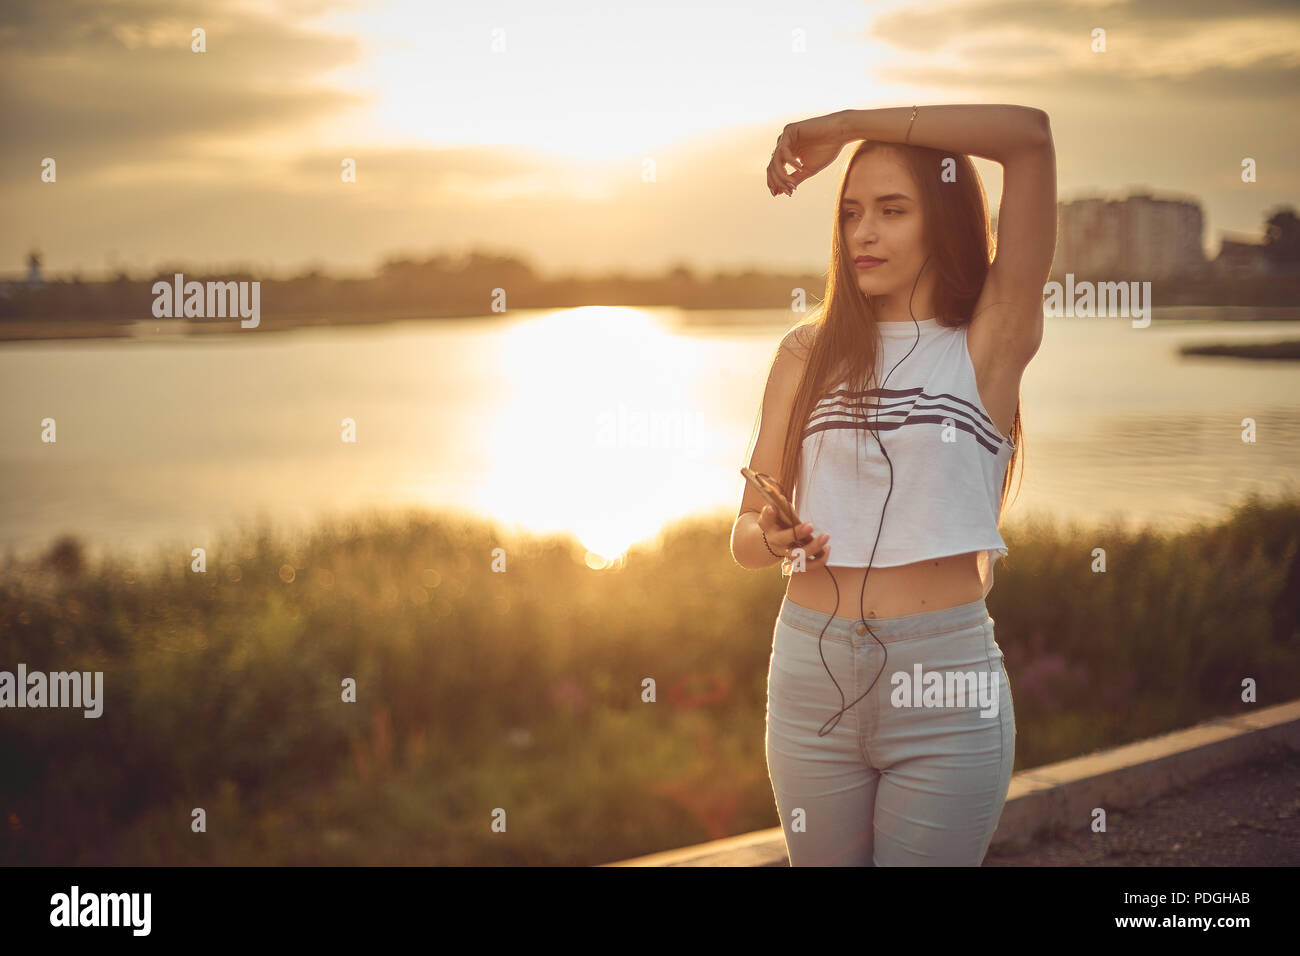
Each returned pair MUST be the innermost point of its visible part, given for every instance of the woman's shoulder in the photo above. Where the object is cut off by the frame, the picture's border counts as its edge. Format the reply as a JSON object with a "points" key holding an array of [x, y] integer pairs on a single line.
{"points": [[798, 341]]}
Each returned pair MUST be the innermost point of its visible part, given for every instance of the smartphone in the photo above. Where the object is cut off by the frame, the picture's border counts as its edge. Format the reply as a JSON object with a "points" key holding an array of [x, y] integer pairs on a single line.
{"points": [[770, 491]]}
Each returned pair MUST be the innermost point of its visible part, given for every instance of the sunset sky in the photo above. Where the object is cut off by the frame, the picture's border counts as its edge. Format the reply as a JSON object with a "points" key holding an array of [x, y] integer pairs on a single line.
{"points": [[232, 156]]}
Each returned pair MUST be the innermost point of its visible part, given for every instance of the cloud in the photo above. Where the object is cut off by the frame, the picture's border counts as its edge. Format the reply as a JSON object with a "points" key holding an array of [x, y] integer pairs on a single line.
{"points": [[1192, 50], [93, 84], [1273, 78], [932, 26]]}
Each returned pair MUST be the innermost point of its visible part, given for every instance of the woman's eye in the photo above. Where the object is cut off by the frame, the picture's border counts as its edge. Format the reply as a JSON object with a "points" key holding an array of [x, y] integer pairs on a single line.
{"points": [[849, 213]]}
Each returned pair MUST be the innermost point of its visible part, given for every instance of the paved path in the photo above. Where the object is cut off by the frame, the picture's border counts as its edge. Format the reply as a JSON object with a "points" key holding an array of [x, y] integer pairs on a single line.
{"points": [[1244, 816]]}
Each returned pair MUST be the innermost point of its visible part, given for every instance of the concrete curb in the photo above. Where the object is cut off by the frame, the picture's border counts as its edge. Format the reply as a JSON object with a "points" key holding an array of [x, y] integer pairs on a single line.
{"points": [[1062, 795]]}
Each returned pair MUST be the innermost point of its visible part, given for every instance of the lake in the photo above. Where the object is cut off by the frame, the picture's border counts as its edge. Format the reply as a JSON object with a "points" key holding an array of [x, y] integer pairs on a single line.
{"points": [[604, 422]]}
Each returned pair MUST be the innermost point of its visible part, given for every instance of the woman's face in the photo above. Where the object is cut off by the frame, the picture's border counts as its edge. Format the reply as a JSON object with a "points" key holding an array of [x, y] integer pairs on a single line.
{"points": [[881, 217]]}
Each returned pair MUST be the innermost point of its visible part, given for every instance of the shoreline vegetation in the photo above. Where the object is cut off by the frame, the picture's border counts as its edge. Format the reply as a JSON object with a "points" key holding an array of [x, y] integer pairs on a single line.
{"points": [[464, 287], [522, 689], [1285, 349]]}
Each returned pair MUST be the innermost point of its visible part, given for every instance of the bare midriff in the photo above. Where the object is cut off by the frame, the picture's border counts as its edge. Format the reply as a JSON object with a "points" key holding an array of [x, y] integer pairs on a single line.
{"points": [[930, 585]]}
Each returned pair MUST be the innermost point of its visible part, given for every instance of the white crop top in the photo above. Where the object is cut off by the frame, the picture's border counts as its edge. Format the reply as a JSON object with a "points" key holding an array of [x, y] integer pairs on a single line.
{"points": [[949, 459]]}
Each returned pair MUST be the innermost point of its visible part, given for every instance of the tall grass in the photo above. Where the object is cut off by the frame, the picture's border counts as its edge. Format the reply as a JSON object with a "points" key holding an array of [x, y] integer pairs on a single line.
{"points": [[521, 692]]}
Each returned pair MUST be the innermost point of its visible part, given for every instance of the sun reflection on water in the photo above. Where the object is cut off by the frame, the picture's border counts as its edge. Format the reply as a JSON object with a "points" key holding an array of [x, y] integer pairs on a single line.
{"points": [[595, 431]]}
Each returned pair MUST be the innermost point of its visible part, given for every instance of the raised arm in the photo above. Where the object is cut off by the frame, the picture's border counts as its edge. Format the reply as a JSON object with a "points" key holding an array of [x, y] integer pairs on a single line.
{"points": [[989, 130], [1007, 327]]}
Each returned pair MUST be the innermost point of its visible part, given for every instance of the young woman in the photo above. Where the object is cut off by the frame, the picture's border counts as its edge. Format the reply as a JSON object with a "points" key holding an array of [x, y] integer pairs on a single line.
{"points": [[894, 417]]}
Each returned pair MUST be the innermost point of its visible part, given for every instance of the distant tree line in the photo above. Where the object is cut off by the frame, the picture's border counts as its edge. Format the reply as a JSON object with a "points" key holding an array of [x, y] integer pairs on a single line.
{"points": [[463, 286]]}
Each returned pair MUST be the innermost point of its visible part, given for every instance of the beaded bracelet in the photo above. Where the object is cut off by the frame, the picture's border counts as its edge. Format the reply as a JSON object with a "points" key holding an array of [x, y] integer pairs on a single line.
{"points": [[768, 546]]}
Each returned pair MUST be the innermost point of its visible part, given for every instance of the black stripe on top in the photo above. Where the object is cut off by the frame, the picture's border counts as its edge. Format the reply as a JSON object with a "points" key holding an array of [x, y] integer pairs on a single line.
{"points": [[906, 401]]}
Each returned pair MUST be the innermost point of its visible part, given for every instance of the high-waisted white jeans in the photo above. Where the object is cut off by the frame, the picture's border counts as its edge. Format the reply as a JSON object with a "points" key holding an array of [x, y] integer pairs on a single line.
{"points": [[916, 772]]}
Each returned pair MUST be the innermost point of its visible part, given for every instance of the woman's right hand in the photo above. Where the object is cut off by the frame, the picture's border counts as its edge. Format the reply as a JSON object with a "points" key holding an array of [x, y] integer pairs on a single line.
{"points": [[809, 146], [784, 540]]}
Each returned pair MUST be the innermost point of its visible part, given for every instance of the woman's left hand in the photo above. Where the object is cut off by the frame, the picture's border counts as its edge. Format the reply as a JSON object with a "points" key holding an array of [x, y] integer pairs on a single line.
{"points": [[810, 146]]}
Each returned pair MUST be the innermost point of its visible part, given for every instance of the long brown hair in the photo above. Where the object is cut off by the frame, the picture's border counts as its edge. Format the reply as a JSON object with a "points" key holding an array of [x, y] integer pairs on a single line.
{"points": [[843, 339]]}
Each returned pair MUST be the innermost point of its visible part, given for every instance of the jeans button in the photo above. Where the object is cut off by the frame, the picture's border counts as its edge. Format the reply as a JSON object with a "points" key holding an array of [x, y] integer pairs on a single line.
{"points": [[861, 629]]}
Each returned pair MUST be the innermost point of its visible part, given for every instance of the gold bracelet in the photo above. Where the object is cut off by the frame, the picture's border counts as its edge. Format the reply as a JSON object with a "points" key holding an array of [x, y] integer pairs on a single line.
{"points": [[909, 126]]}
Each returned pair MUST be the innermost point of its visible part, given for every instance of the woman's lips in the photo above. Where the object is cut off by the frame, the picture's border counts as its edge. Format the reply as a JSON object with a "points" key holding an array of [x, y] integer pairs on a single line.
{"points": [[869, 263]]}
